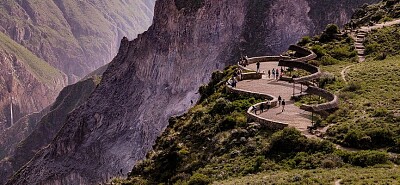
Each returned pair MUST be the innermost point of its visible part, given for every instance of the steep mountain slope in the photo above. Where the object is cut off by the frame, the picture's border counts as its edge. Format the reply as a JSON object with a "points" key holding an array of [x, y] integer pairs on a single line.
{"points": [[29, 81], [31, 134], [74, 36], [156, 75]]}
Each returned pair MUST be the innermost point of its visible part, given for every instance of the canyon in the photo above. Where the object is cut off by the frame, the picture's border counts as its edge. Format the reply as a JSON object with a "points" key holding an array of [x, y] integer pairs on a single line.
{"points": [[158, 74]]}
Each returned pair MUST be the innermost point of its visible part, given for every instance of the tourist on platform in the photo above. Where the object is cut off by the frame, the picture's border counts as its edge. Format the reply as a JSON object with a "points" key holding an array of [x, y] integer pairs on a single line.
{"points": [[262, 107], [254, 108], [269, 74], [277, 75], [258, 67], [246, 61], [283, 105], [268, 105], [279, 100], [273, 72]]}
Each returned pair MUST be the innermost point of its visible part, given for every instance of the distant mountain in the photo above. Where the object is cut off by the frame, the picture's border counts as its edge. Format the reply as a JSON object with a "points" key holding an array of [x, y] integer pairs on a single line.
{"points": [[74, 36], [27, 83], [58, 42]]}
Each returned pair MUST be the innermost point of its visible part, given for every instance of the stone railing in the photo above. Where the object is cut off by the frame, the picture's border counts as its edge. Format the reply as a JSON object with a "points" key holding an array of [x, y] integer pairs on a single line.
{"points": [[262, 59], [305, 80], [333, 103], [252, 116], [315, 71], [306, 53]]}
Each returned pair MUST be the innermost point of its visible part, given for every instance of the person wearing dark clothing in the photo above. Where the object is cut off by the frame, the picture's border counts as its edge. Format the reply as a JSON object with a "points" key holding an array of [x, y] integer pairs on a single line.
{"points": [[269, 73], [258, 67], [262, 107], [283, 105], [279, 100], [268, 105]]}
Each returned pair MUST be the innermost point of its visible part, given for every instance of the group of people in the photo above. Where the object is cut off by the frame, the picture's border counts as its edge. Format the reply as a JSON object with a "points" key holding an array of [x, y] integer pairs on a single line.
{"points": [[237, 75], [244, 61], [267, 106], [275, 73]]}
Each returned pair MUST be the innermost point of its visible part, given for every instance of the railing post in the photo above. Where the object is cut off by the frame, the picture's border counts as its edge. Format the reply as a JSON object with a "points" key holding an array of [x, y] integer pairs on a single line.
{"points": [[293, 87]]}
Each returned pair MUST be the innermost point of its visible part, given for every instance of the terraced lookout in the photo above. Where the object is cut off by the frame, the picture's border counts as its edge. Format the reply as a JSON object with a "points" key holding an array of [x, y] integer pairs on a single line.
{"points": [[259, 84]]}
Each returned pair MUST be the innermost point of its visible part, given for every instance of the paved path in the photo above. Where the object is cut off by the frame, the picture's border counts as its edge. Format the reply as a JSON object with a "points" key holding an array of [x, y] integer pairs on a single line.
{"points": [[292, 115], [345, 71], [361, 33]]}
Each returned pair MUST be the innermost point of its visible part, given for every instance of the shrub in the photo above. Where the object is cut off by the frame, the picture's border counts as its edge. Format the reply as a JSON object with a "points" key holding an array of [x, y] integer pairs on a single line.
{"points": [[305, 40], [332, 29], [221, 106], [352, 87], [319, 51], [328, 60], [380, 112], [327, 78], [357, 138], [199, 179], [369, 158], [329, 33]]}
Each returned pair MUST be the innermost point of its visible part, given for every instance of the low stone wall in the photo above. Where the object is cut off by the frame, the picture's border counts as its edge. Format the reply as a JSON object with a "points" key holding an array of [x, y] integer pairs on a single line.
{"points": [[308, 54], [273, 99], [267, 59], [251, 76], [273, 125], [251, 117], [316, 72], [333, 103]]}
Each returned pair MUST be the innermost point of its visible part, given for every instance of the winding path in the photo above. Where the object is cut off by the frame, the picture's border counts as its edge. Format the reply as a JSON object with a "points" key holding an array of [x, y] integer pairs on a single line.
{"points": [[345, 71], [257, 84]]}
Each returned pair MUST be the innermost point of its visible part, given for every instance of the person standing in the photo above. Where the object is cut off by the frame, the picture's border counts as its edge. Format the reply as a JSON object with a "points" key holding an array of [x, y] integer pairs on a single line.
{"points": [[283, 105], [258, 67], [277, 74], [269, 74], [279, 100], [262, 107], [268, 105], [273, 72]]}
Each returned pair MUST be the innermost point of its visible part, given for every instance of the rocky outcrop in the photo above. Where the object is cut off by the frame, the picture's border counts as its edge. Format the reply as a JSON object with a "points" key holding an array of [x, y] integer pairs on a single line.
{"points": [[74, 36], [155, 76]]}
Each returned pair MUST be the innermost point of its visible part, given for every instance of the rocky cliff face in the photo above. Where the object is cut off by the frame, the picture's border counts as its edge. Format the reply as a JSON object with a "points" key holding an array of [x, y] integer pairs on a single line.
{"points": [[156, 75], [27, 83], [74, 36], [33, 132]]}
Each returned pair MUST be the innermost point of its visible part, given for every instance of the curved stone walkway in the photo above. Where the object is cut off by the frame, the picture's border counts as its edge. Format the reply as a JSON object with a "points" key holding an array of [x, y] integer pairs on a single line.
{"points": [[292, 115]]}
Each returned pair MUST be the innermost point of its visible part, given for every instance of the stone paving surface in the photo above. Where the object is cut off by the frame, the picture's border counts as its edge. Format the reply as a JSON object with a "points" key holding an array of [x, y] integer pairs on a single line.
{"points": [[292, 115]]}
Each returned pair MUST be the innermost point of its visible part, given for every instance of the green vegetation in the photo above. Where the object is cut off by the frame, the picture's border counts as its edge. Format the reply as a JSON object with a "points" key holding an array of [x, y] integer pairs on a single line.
{"points": [[382, 43], [214, 142], [39, 68], [346, 176], [386, 10], [366, 117]]}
